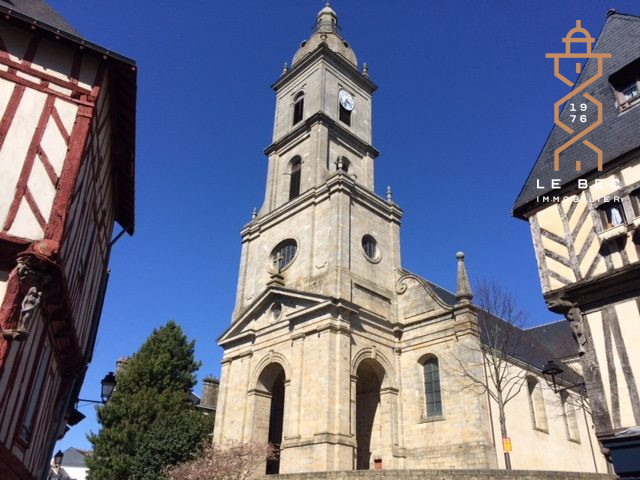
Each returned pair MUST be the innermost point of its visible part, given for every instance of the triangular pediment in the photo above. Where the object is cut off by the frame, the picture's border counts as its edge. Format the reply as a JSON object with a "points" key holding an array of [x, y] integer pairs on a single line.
{"points": [[274, 306]]}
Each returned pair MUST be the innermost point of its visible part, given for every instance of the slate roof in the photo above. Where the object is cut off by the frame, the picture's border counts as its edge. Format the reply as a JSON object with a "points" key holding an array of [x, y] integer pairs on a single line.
{"points": [[446, 295], [534, 346], [41, 11], [617, 135], [556, 337], [74, 457]]}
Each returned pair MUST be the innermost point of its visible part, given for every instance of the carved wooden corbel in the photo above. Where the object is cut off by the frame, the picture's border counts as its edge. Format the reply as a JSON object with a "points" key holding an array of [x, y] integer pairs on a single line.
{"points": [[32, 278], [575, 318]]}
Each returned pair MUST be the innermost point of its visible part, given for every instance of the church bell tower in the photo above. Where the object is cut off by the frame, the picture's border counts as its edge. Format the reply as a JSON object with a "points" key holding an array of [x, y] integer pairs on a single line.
{"points": [[312, 358], [321, 223]]}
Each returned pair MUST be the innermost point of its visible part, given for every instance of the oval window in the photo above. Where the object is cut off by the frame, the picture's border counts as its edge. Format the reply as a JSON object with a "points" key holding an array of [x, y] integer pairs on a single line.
{"points": [[370, 247], [283, 254]]}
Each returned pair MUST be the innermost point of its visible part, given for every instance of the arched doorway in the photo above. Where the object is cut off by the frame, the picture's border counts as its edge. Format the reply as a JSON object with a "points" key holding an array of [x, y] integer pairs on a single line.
{"points": [[269, 411], [368, 412]]}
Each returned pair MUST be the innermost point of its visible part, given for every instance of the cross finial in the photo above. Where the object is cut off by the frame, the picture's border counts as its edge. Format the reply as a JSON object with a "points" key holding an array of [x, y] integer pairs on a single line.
{"points": [[277, 261]]}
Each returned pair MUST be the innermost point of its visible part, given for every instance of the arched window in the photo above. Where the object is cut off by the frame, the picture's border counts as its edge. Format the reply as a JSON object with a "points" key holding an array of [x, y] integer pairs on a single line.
{"points": [[294, 184], [536, 402], [432, 387], [298, 107], [569, 411]]}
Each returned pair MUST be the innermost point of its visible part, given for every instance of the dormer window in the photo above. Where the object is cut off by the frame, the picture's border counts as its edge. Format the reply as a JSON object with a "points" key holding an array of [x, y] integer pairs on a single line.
{"points": [[611, 215], [626, 85], [631, 92], [635, 202], [298, 108]]}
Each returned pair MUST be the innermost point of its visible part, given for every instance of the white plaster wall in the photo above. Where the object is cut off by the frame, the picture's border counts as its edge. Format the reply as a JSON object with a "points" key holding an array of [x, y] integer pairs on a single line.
{"points": [[531, 447], [4, 277], [76, 473], [629, 320], [13, 154]]}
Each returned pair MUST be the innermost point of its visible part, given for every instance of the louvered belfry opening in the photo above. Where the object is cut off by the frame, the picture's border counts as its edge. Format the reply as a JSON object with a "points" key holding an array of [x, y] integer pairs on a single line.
{"points": [[345, 116], [294, 185], [298, 108]]}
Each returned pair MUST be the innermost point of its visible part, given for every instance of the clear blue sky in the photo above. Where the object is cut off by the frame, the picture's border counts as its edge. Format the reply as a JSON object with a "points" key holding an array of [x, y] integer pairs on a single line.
{"points": [[464, 106]]}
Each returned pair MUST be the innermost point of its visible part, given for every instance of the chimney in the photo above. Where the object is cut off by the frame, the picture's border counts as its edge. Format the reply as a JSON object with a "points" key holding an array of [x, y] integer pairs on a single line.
{"points": [[210, 387], [121, 363]]}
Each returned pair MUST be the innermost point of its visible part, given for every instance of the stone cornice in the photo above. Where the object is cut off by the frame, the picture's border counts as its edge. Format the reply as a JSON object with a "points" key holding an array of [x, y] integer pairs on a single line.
{"points": [[324, 51], [337, 183], [333, 126]]}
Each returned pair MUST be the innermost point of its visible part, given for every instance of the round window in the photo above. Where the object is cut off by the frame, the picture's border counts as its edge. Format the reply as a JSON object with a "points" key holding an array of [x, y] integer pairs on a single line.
{"points": [[283, 254], [276, 311], [370, 247]]}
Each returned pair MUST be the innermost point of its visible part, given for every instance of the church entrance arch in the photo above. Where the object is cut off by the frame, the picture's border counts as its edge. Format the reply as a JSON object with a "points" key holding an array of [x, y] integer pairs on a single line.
{"points": [[369, 426], [269, 411]]}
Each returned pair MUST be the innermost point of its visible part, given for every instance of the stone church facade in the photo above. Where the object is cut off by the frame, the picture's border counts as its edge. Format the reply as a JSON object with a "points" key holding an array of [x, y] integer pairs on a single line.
{"points": [[336, 353]]}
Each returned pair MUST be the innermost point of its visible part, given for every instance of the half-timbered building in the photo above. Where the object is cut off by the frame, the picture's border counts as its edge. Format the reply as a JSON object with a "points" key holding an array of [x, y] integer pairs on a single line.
{"points": [[585, 224], [67, 138]]}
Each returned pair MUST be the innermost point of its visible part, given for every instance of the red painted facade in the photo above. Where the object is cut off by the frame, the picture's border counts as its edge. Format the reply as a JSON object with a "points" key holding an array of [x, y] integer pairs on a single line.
{"points": [[68, 169]]}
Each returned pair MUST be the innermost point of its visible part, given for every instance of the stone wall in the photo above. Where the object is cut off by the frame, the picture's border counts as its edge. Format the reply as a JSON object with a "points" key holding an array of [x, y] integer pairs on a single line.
{"points": [[441, 475]]}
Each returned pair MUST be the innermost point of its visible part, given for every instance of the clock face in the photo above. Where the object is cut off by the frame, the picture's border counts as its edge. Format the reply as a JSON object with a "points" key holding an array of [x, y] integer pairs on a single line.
{"points": [[346, 100]]}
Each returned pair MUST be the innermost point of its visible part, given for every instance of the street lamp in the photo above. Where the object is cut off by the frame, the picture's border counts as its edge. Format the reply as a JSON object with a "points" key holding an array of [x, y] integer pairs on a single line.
{"points": [[108, 383], [57, 459], [551, 370]]}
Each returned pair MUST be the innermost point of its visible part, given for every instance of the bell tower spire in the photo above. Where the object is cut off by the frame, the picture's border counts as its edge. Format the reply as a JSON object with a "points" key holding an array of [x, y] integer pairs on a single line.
{"points": [[322, 119]]}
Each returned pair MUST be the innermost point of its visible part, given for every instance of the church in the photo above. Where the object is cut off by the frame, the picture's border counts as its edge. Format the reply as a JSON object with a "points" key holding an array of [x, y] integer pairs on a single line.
{"points": [[338, 355]]}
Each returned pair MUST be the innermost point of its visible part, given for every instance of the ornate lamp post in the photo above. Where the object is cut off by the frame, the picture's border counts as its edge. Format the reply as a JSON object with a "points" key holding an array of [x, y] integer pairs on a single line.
{"points": [[551, 370], [107, 384]]}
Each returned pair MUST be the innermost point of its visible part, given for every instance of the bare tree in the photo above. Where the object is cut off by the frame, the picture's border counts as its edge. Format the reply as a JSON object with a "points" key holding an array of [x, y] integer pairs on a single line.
{"points": [[502, 369], [234, 461]]}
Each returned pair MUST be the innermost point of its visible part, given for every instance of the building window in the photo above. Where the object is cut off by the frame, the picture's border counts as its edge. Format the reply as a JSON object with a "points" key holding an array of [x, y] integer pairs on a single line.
{"points": [[294, 184], [630, 93], [611, 214], [433, 400], [370, 247], [625, 83], [298, 108], [569, 413], [635, 202], [345, 116], [30, 415], [283, 254], [536, 403]]}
